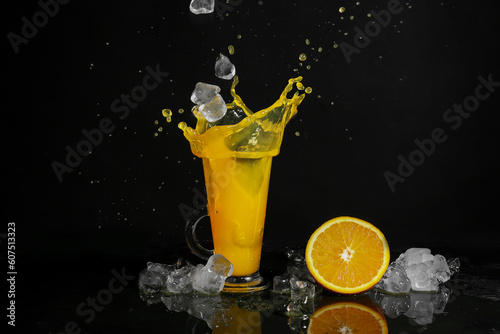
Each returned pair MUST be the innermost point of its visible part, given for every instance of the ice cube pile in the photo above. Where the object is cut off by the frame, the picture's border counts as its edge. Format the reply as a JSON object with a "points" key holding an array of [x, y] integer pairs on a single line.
{"points": [[417, 269], [224, 69], [208, 101], [185, 278], [202, 6]]}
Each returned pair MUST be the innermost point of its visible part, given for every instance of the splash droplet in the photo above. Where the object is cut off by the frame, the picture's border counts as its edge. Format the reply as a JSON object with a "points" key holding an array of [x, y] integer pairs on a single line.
{"points": [[341, 9], [308, 90], [167, 113], [302, 57], [230, 49]]}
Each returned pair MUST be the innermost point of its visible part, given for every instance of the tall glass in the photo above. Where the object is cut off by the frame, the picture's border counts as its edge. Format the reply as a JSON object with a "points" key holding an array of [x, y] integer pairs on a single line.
{"points": [[237, 157]]}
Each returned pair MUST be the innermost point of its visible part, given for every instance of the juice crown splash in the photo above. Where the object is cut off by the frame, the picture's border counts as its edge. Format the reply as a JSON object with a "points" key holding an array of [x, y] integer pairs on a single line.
{"points": [[242, 133]]}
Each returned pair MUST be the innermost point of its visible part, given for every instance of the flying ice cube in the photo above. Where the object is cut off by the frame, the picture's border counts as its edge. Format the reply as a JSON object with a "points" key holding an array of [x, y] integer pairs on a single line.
{"points": [[210, 103], [214, 110], [224, 69], [202, 6], [210, 279], [204, 93], [395, 280]]}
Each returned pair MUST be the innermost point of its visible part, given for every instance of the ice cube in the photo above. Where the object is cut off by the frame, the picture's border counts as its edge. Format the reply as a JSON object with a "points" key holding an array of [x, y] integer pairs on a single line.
{"points": [[302, 298], [440, 269], [202, 6], [153, 278], [210, 279], [421, 277], [150, 282], [414, 256], [295, 255], [204, 93], [224, 69], [214, 110], [425, 271], [281, 283], [181, 280], [395, 280], [454, 265]]}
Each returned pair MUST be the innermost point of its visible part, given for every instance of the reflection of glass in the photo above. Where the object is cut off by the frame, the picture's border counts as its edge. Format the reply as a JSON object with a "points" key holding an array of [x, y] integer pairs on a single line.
{"points": [[237, 166], [221, 314], [419, 306]]}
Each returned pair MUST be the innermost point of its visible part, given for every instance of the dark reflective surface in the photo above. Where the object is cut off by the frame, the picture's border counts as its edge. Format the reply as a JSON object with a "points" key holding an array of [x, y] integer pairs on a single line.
{"points": [[102, 297]]}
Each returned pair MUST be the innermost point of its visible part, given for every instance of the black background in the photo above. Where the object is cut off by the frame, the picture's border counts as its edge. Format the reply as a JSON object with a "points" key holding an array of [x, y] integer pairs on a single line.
{"points": [[123, 198]]}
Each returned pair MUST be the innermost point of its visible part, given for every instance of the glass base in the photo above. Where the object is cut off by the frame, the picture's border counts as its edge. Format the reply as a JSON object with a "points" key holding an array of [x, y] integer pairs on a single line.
{"points": [[245, 284]]}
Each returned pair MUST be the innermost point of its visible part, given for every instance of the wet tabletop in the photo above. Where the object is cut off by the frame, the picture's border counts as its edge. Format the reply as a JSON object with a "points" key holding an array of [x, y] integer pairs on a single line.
{"points": [[101, 295]]}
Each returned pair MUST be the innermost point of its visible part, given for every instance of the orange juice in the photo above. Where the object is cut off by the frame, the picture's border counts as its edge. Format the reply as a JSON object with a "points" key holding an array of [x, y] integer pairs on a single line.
{"points": [[237, 208], [237, 166]]}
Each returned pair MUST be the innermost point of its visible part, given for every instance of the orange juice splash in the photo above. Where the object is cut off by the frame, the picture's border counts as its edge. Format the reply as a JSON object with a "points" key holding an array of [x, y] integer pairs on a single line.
{"points": [[237, 167]]}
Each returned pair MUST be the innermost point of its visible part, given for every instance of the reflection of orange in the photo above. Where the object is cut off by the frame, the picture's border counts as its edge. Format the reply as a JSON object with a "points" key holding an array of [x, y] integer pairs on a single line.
{"points": [[347, 255], [347, 317]]}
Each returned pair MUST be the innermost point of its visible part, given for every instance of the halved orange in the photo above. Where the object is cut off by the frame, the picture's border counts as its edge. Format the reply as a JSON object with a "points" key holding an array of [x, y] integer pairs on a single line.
{"points": [[347, 255], [347, 317]]}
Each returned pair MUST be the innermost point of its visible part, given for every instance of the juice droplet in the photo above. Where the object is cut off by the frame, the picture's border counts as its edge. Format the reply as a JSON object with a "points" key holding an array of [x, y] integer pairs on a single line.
{"points": [[302, 57], [307, 41], [156, 121], [182, 126], [160, 129], [308, 67], [320, 49], [181, 111], [300, 86], [167, 113], [335, 45], [238, 37], [341, 9], [308, 90], [230, 48]]}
